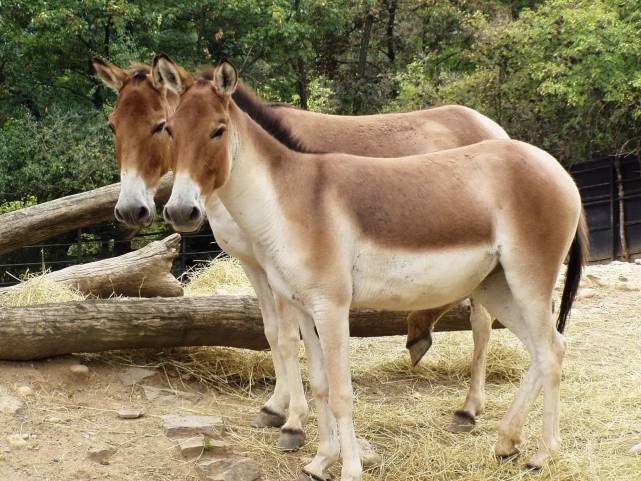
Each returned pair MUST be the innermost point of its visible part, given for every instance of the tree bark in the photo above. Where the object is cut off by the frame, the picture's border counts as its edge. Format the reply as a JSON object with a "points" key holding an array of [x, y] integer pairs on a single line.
{"points": [[34, 224], [37, 332], [391, 22], [362, 56], [145, 272]]}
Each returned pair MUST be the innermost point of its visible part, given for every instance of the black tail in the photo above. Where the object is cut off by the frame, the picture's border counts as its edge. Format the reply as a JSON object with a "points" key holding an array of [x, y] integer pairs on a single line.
{"points": [[578, 258]]}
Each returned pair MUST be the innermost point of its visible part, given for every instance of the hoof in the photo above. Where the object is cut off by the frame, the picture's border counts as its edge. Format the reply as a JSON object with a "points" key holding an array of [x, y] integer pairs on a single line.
{"points": [[418, 348], [291, 439], [305, 476], [535, 468], [268, 419], [463, 422]]}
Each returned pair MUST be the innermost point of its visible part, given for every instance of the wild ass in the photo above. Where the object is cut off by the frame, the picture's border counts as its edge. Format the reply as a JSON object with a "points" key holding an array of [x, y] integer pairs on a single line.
{"points": [[492, 221], [138, 120]]}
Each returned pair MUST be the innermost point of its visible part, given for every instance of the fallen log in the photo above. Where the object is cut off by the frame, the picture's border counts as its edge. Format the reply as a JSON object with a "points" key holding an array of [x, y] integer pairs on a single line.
{"points": [[145, 272], [36, 332], [34, 224]]}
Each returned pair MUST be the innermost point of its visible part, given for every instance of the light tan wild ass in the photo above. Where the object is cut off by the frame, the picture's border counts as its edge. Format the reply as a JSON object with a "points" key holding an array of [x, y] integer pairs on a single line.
{"points": [[492, 221], [138, 120]]}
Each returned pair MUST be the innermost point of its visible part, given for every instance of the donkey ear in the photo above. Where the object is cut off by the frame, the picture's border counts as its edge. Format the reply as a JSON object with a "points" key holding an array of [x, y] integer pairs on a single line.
{"points": [[112, 76], [168, 73], [225, 78]]}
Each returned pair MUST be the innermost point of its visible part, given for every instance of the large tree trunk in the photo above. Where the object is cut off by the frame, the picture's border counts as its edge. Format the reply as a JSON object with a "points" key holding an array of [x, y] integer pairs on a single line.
{"points": [[145, 272], [42, 331], [49, 219]]}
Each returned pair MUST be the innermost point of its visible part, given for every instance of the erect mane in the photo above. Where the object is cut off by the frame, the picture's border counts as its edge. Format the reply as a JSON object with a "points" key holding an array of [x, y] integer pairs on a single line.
{"points": [[262, 113]]}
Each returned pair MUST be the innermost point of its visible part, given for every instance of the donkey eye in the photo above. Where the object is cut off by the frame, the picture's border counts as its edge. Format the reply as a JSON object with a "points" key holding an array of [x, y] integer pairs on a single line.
{"points": [[169, 131], [158, 128], [217, 133], [112, 127]]}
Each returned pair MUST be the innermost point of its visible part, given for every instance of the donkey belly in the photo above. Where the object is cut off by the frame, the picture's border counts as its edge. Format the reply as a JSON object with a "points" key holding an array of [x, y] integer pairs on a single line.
{"points": [[404, 280]]}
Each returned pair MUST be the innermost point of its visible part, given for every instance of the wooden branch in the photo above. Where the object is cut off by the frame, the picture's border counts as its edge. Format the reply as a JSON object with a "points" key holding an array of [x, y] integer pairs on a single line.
{"points": [[145, 272], [46, 330], [49, 219]]}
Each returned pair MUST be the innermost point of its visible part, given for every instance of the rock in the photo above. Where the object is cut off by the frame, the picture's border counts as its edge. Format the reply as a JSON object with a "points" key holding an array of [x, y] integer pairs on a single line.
{"points": [[195, 446], [167, 395], [16, 441], [24, 391], [622, 278], [9, 404], [622, 286], [637, 262], [593, 281], [369, 457], [101, 454], [636, 449], [185, 426], [80, 370], [228, 469], [130, 413], [133, 375], [586, 293]]}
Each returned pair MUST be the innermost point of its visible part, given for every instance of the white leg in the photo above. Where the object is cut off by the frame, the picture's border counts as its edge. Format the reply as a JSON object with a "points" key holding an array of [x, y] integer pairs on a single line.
{"points": [[328, 446], [530, 318], [332, 323], [273, 412], [292, 435], [465, 418]]}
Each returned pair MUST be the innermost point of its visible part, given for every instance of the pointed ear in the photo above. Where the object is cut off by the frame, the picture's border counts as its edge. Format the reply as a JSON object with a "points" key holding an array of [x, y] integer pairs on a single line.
{"points": [[168, 73], [225, 78], [112, 76]]}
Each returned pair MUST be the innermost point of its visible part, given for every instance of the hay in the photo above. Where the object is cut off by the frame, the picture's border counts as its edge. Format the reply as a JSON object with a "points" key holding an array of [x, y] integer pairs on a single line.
{"points": [[222, 275], [38, 289], [405, 412]]}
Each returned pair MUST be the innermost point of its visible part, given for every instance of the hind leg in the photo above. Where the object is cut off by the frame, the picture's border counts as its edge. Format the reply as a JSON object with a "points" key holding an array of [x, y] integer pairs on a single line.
{"points": [[465, 418], [420, 325], [529, 317]]}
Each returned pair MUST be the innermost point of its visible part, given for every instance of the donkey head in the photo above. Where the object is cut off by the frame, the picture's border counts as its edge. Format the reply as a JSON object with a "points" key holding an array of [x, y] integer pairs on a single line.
{"points": [[142, 147], [200, 141]]}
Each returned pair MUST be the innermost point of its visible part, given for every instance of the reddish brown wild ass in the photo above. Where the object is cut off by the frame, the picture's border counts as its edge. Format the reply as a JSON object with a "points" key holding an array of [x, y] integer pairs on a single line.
{"points": [[138, 122], [492, 221]]}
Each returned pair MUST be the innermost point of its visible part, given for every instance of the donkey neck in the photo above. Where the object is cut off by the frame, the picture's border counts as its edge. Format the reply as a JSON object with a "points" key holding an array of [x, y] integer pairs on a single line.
{"points": [[249, 193]]}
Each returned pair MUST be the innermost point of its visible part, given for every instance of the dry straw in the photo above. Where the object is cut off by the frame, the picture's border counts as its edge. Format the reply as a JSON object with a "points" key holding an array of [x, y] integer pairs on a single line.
{"points": [[405, 412]]}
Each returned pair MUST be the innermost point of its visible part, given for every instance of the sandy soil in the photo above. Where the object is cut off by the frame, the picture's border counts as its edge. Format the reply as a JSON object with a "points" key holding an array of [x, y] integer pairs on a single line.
{"points": [[403, 412]]}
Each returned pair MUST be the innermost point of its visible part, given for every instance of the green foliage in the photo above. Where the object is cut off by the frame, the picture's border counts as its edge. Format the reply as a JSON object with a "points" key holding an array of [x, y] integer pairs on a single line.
{"points": [[62, 153], [10, 206]]}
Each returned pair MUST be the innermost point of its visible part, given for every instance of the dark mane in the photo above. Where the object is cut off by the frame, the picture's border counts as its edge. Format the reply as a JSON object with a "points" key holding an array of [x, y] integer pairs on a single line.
{"points": [[263, 114]]}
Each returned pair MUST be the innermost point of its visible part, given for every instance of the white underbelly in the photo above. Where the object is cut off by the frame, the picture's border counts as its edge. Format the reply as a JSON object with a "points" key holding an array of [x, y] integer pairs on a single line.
{"points": [[411, 280]]}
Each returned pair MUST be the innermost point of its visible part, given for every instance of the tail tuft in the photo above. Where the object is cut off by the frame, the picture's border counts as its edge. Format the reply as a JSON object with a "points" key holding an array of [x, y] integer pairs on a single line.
{"points": [[579, 252]]}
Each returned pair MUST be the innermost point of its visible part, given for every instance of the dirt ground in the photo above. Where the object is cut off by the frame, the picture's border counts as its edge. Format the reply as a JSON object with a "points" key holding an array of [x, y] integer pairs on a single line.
{"points": [[403, 412]]}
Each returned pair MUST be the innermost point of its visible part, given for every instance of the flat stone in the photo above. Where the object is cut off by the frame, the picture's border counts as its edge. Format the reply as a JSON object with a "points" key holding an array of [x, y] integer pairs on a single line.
{"points": [[79, 370], [130, 413], [101, 454], [636, 449], [195, 446], [622, 286], [189, 426], [228, 469], [637, 262], [369, 457], [586, 293], [9, 404], [593, 281], [16, 441], [167, 395], [133, 375]]}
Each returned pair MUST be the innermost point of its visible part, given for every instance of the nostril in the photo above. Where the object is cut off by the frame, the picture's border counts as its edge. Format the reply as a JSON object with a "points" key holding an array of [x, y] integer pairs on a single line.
{"points": [[195, 213], [165, 214], [143, 213]]}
